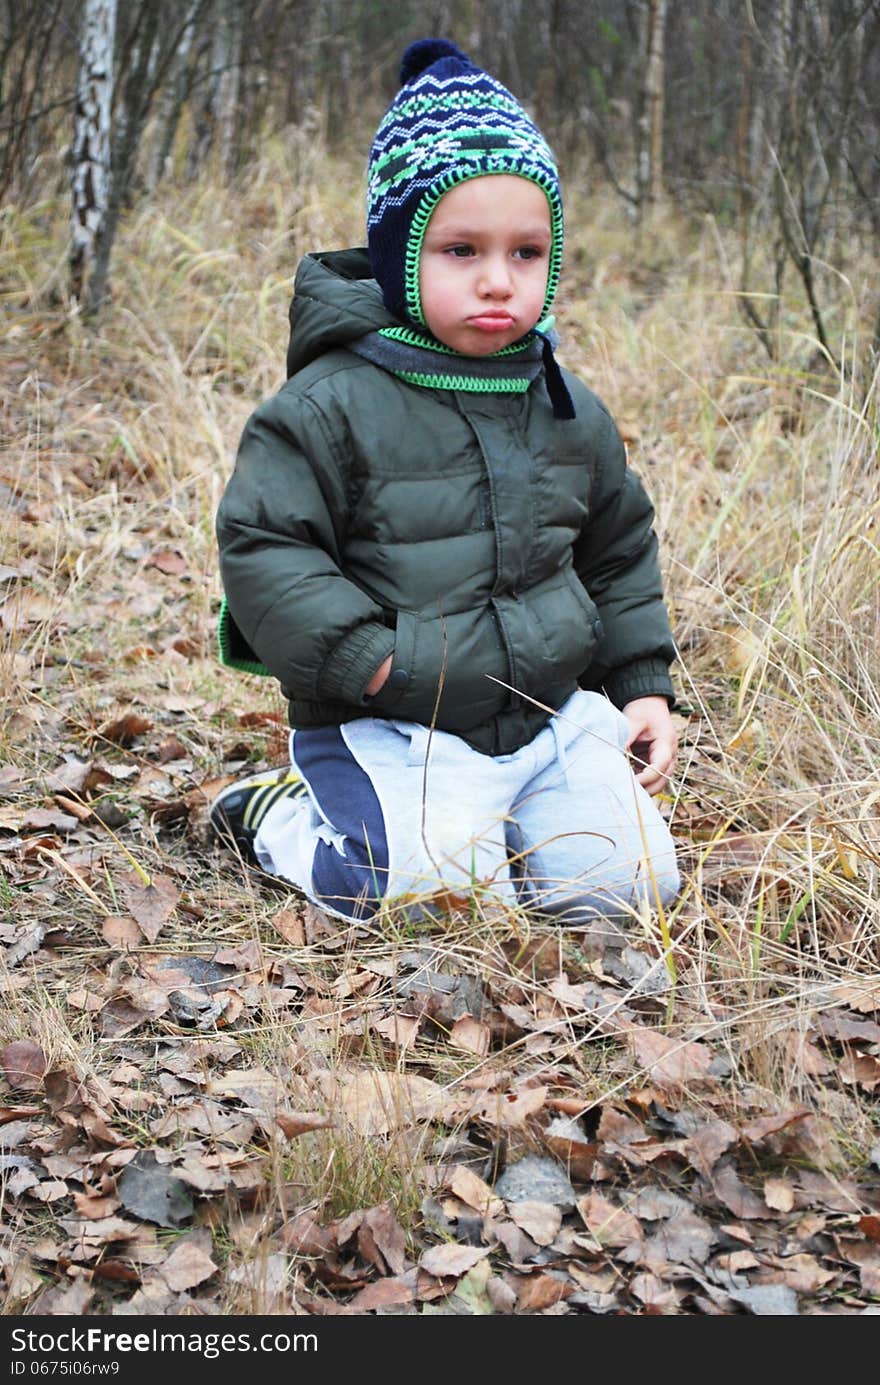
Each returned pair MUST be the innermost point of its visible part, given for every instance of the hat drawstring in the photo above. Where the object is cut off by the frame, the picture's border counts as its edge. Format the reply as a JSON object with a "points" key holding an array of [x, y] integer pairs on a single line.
{"points": [[556, 386]]}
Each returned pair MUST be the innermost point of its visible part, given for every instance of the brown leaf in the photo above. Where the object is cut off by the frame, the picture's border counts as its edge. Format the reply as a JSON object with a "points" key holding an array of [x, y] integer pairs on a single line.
{"points": [[473, 1036], [400, 1030], [152, 905], [804, 1056], [120, 930], [870, 1227], [540, 1291], [733, 1193], [565, 1138], [779, 1195], [24, 1064], [291, 927], [93, 1208], [669, 1062], [609, 1225], [758, 1130], [860, 1068], [167, 561], [654, 1293], [126, 729], [186, 1266], [381, 1239], [509, 1110], [304, 1236], [296, 1123], [386, 1293], [540, 1220], [49, 820], [861, 996], [707, 1144], [473, 1190], [376, 1102], [451, 1259]]}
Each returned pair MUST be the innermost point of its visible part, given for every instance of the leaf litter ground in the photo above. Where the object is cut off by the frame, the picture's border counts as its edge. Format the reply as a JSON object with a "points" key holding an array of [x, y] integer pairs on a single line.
{"points": [[214, 1098]]}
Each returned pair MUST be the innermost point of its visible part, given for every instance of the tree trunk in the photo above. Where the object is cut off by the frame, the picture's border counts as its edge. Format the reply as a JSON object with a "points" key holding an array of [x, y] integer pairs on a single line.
{"points": [[171, 106], [649, 179], [91, 144]]}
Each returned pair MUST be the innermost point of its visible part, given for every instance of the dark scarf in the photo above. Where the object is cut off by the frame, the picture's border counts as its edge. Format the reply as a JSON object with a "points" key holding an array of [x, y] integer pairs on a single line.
{"points": [[420, 359]]}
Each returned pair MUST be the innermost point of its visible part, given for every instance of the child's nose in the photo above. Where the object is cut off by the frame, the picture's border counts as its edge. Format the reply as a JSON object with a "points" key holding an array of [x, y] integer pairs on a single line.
{"points": [[495, 280]]}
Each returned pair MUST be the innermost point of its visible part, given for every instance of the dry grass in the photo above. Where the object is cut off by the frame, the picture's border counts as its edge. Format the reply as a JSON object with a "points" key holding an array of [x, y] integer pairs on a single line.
{"points": [[118, 441]]}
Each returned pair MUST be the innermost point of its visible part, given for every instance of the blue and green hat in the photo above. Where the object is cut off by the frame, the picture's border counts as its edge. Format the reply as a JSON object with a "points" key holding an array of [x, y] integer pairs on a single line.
{"points": [[450, 121]]}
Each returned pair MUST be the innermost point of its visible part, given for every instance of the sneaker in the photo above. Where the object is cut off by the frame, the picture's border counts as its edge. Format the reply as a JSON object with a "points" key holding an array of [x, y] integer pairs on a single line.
{"points": [[238, 810]]}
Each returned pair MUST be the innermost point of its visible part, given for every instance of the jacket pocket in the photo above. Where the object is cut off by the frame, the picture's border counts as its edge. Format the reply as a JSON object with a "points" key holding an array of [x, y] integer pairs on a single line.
{"points": [[555, 628], [446, 667], [396, 685]]}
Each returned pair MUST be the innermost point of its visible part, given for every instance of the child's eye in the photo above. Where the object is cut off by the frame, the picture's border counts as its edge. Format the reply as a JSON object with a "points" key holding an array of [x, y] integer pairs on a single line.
{"points": [[460, 252], [529, 252]]}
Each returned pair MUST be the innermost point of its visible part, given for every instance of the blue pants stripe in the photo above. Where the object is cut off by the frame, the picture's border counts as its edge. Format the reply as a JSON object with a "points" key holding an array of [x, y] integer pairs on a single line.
{"points": [[353, 882]]}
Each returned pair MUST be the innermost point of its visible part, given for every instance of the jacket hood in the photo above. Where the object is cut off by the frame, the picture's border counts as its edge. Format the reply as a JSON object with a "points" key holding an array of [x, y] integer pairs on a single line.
{"points": [[335, 301]]}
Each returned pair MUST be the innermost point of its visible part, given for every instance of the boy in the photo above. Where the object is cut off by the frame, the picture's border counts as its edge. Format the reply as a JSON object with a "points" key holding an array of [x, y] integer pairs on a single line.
{"points": [[431, 538]]}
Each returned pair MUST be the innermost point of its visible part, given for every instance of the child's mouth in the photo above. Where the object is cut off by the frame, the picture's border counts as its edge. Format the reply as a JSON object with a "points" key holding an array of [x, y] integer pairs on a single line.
{"points": [[491, 322]]}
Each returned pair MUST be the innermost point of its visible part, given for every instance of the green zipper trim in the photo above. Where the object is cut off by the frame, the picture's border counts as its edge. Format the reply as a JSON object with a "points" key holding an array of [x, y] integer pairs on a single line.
{"points": [[462, 382]]}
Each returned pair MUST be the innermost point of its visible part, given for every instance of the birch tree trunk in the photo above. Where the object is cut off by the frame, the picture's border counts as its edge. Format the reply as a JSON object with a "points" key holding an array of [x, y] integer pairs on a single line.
{"points": [[649, 178], [91, 144]]}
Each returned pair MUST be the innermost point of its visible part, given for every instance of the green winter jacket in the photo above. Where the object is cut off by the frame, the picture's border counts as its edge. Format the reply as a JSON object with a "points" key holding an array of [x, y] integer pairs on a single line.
{"points": [[502, 555]]}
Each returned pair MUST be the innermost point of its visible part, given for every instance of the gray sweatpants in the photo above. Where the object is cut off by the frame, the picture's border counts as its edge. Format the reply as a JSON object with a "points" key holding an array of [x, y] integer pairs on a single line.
{"points": [[395, 813]]}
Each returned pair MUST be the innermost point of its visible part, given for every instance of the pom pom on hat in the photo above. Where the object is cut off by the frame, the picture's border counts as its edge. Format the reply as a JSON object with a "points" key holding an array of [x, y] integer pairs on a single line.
{"points": [[424, 53]]}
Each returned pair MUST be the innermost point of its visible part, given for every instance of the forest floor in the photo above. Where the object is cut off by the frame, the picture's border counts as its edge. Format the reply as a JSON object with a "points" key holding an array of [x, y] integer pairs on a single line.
{"points": [[213, 1098]]}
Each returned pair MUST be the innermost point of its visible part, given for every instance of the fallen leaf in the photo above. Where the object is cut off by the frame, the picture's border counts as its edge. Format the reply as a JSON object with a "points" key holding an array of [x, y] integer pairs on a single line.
{"points": [[376, 1102], [767, 1301], [49, 820], [654, 1293], [473, 1036], [870, 1227], [707, 1144], [386, 1293], [778, 1194], [24, 1064], [186, 1266], [381, 1239], [147, 1189], [758, 1130], [152, 905], [473, 1191], [291, 927], [538, 1292], [451, 1259], [733, 1193], [564, 1136], [609, 1225], [400, 1030], [860, 1068], [126, 729], [120, 930], [296, 1123], [167, 561], [669, 1062], [540, 1220], [510, 1110]]}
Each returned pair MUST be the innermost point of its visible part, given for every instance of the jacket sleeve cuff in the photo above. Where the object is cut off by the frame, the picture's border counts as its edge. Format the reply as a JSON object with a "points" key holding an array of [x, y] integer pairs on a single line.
{"points": [[642, 678], [357, 656]]}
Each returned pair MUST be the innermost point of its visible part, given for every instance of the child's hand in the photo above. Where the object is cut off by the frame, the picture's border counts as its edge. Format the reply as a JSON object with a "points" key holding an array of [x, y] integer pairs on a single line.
{"points": [[652, 740], [379, 678]]}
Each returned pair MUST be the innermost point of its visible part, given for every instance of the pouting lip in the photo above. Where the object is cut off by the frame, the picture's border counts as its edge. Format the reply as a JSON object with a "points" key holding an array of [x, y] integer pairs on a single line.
{"points": [[492, 320]]}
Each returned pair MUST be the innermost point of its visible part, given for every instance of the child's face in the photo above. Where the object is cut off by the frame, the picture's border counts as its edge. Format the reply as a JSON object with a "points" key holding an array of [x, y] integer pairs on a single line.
{"points": [[484, 263]]}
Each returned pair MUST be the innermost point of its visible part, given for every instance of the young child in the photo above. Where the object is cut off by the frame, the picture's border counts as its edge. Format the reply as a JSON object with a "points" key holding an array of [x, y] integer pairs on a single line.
{"points": [[433, 541]]}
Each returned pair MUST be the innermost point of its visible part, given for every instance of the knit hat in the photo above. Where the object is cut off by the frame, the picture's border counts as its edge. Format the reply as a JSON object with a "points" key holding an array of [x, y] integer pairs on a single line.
{"points": [[450, 121]]}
